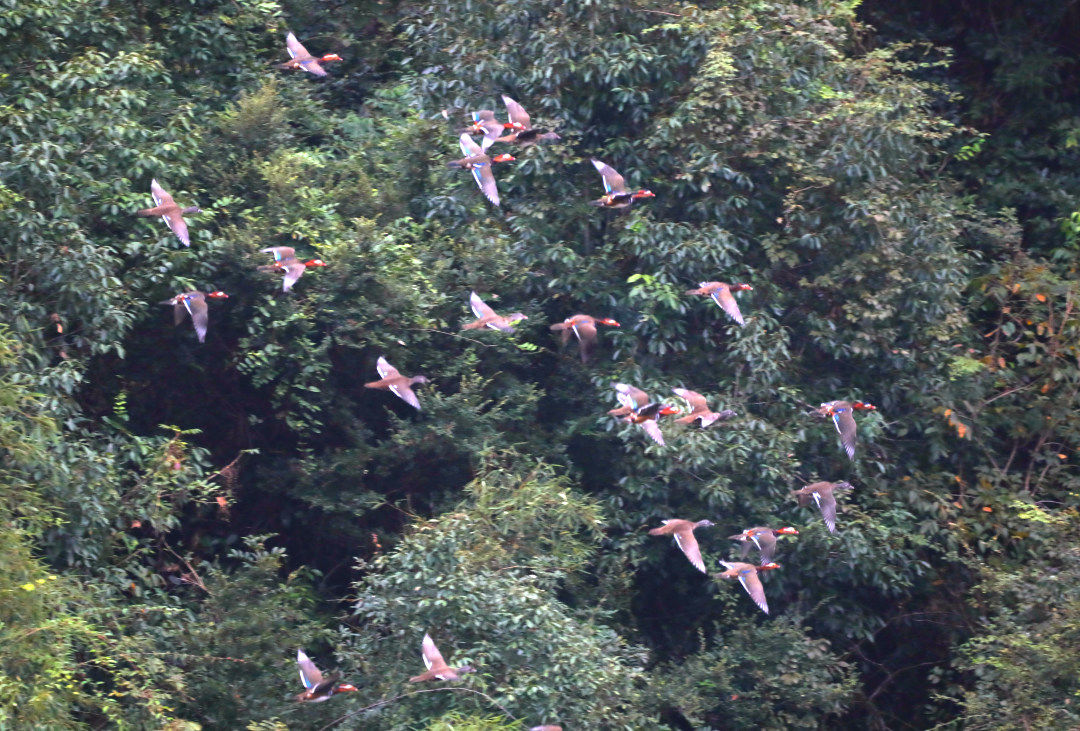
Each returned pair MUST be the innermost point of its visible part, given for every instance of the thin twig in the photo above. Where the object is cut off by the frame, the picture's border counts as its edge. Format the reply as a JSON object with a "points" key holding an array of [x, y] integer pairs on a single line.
{"points": [[198, 581], [453, 335], [418, 692]]}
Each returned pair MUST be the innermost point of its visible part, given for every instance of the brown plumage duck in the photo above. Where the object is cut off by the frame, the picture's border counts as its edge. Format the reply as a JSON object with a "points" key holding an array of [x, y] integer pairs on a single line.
{"points": [[522, 131], [285, 261], [637, 410], [486, 317], [584, 328], [301, 59], [193, 304], [843, 416], [479, 164], [683, 533], [484, 123], [171, 214], [401, 386], [747, 574], [316, 687], [699, 408], [764, 539], [437, 669], [722, 295], [615, 193], [823, 495]]}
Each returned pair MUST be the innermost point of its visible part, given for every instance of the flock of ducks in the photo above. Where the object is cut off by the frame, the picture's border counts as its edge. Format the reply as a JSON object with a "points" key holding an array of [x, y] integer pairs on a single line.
{"points": [[635, 405]]}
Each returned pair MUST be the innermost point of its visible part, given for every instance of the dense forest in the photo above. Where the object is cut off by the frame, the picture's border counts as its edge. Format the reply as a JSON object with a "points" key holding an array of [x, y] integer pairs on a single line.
{"points": [[184, 508]]}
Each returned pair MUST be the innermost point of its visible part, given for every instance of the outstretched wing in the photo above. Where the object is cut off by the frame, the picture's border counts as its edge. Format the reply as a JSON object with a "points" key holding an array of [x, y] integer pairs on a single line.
{"points": [[406, 394], [844, 420], [688, 544], [385, 369], [281, 253], [630, 396], [469, 148], [517, 113], [827, 503], [293, 271], [586, 335], [432, 657], [310, 675], [752, 583], [726, 300], [479, 307], [161, 198], [653, 430], [613, 182], [485, 179], [200, 318], [694, 400]]}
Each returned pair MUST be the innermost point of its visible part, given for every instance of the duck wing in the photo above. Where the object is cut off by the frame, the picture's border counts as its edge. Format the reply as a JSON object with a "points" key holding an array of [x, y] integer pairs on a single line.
{"points": [[281, 253], [469, 148], [517, 113], [723, 297], [404, 392], [479, 307], [752, 583], [485, 179], [310, 675], [613, 182], [586, 335], [385, 369], [176, 223], [844, 420], [293, 271], [653, 430], [433, 659], [827, 504], [161, 198], [631, 396], [693, 399], [687, 543], [195, 304]]}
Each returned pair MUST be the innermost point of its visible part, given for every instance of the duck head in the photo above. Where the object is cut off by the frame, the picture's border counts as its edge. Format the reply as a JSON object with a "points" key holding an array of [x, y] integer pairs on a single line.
{"points": [[466, 669], [667, 410], [191, 209], [740, 287], [704, 524], [217, 295], [315, 263], [418, 379], [331, 57], [503, 158], [513, 125], [345, 688], [517, 316], [788, 531], [863, 406], [768, 566], [643, 194], [609, 321]]}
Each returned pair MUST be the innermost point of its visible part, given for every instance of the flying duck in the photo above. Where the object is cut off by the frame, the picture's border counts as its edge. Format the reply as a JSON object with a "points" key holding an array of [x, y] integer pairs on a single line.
{"points": [[522, 131], [584, 328], [317, 688], [391, 380], [843, 416], [437, 669], [615, 193], [683, 533], [630, 398], [699, 408], [747, 574], [479, 164], [171, 214], [486, 317], [301, 59], [722, 295], [193, 304], [285, 261], [484, 123], [764, 539], [822, 493]]}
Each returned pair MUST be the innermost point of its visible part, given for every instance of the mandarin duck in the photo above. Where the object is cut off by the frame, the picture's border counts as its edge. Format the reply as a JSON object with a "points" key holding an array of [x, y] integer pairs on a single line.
{"points": [[636, 409], [822, 494], [301, 59], [285, 261], [316, 687], [193, 304], [401, 386], [484, 123], [683, 533], [764, 539], [521, 129], [479, 164], [747, 574], [437, 669], [699, 408], [486, 317], [584, 328], [843, 416], [722, 295], [615, 193], [171, 214]]}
